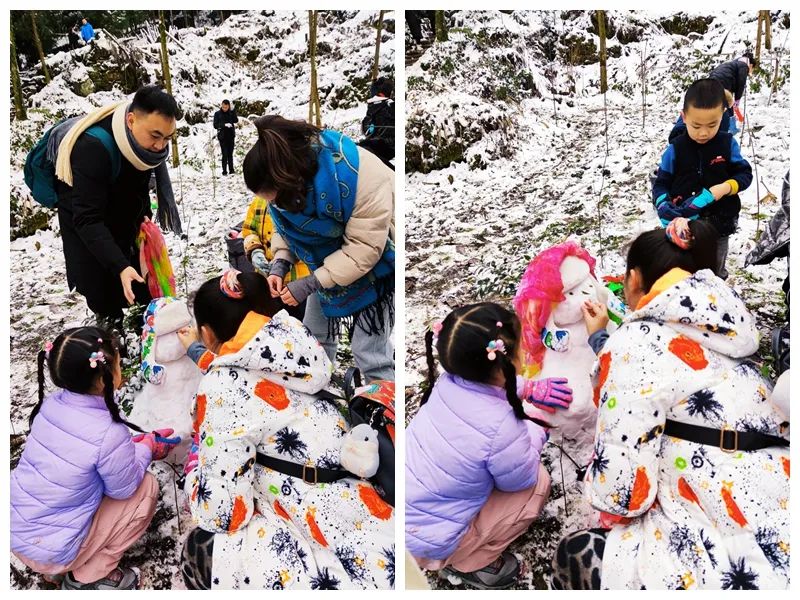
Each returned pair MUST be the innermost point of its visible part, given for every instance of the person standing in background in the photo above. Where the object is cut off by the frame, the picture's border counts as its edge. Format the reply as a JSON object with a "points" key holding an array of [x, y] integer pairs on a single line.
{"points": [[224, 122]]}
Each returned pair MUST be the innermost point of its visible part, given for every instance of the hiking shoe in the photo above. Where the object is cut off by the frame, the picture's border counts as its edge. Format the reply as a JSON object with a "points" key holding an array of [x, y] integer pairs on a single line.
{"points": [[121, 578], [501, 574], [54, 580]]}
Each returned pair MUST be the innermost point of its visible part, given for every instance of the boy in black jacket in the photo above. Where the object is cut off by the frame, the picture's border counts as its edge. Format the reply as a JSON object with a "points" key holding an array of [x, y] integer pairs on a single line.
{"points": [[702, 171]]}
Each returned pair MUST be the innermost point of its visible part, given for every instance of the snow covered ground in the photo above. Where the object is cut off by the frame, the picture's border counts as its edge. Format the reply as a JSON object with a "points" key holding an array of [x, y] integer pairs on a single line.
{"points": [[550, 173], [252, 58]]}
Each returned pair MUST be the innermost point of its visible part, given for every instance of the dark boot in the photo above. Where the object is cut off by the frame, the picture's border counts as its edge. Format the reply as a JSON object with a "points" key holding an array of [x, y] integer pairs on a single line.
{"points": [[501, 574]]}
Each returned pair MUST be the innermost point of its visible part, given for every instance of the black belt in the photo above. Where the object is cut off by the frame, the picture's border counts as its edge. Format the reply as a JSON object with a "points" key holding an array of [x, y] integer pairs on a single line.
{"points": [[727, 440], [311, 475]]}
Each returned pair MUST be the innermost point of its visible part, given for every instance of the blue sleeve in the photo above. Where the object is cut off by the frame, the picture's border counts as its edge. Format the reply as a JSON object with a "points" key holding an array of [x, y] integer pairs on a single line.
{"points": [[739, 169], [195, 351], [597, 340], [663, 182]]}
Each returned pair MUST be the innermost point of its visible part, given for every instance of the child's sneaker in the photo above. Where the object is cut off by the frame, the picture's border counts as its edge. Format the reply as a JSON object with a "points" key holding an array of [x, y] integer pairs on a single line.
{"points": [[121, 578], [501, 574], [53, 580]]}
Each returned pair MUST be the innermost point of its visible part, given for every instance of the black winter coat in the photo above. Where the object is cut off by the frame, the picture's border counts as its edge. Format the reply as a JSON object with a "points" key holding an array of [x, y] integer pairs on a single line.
{"points": [[733, 77], [100, 221], [220, 119], [688, 167]]}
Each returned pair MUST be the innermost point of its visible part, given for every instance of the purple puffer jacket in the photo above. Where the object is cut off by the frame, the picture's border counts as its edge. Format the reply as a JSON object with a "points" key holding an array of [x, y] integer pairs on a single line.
{"points": [[465, 442], [74, 455]]}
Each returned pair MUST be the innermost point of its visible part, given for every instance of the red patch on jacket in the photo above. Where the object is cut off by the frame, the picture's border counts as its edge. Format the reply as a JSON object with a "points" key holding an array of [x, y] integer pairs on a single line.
{"points": [[272, 394], [717, 160]]}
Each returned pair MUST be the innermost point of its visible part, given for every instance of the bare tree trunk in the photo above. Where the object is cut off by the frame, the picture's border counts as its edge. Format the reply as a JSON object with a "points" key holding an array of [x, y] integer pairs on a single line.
{"points": [[441, 27], [376, 62], [644, 85], [313, 103], [758, 34], [167, 77], [767, 30], [601, 30], [19, 103], [38, 42]]}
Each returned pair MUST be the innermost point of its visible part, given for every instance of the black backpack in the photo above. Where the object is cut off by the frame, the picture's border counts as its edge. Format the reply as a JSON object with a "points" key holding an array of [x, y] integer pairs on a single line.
{"points": [[373, 404]]}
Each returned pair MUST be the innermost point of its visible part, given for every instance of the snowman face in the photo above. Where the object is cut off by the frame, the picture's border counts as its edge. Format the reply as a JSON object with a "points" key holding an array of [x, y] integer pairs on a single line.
{"points": [[569, 311]]}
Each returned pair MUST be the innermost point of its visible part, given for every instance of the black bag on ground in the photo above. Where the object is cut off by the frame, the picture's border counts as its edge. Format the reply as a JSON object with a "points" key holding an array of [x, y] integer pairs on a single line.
{"points": [[374, 405]]}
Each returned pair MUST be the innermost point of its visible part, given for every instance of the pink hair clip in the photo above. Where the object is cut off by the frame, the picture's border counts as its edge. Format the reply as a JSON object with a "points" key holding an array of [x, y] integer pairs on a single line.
{"points": [[230, 286], [437, 329], [500, 324], [48, 346], [494, 347], [96, 357], [678, 233]]}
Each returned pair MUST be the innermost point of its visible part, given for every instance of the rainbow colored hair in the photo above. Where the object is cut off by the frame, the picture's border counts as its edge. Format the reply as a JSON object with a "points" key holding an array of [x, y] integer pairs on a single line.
{"points": [[154, 259], [540, 289]]}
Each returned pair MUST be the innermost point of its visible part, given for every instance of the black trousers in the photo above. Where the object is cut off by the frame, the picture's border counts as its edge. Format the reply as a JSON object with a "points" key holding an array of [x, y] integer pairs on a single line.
{"points": [[226, 145]]}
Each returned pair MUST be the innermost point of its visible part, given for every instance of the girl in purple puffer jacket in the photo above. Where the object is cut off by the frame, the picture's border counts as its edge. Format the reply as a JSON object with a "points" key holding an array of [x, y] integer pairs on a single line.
{"points": [[81, 493], [474, 482]]}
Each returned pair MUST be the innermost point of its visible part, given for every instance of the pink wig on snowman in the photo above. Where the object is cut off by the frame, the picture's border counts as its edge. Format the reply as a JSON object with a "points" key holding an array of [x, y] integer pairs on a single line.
{"points": [[540, 289]]}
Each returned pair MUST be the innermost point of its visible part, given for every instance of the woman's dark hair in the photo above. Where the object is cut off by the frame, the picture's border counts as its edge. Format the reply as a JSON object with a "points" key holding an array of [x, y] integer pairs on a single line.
{"points": [[465, 334], [70, 369], [283, 160], [152, 98], [655, 255], [223, 314]]}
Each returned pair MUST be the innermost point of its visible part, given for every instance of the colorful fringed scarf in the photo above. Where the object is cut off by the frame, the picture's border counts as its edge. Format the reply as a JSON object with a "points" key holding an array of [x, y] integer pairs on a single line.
{"points": [[318, 231], [154, 259]]}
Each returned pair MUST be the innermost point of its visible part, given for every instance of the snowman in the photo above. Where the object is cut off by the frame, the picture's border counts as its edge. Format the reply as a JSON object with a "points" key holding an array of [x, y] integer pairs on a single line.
{"points": [[170, 375], [551, 293]]}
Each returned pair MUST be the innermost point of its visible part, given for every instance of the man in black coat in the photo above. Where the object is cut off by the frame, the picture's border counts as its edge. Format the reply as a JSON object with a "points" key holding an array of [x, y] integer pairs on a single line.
{"points": [[101, 213], [225, 120], [378, 125]]}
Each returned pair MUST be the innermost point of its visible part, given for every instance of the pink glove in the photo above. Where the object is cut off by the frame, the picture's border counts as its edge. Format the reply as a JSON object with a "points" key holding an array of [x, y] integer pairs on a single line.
{"points": [[192, 458], [547, 394], [158, 441]]}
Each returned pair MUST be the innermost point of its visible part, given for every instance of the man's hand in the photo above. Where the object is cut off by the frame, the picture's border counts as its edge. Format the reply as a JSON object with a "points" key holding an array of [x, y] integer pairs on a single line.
{"points": [[127, 277]]}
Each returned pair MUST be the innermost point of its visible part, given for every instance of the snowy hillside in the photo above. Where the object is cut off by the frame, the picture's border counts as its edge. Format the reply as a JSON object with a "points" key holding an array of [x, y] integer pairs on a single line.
{"points": [[257, 60], [506, 156]]}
